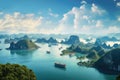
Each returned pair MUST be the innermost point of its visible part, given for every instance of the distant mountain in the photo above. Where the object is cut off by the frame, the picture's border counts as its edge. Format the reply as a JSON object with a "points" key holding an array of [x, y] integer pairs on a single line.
{"points": [[25, 44], [3, 36], [110, 62], [72, 40], [50, 40], [7, 41], [116, 46], [10, 40], [42, 40], [106, 38], [98, 42], [101, 43]]}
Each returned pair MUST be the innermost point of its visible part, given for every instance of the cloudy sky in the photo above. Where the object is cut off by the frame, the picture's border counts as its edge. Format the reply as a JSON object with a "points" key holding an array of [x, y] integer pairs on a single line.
{"points": [[60, 16]]}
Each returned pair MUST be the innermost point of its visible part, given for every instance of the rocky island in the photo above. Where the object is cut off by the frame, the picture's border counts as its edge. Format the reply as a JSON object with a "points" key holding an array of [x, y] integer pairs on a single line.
{"points": [[25, 44], [72, 40], [51, 40], [109, 62], [106, 61]]}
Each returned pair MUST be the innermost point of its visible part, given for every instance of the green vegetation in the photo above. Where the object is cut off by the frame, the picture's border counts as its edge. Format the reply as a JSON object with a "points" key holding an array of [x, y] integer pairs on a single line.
{"points": [[66, 52], [109, 62], [15, 72], [118, 77], [23, 45]]}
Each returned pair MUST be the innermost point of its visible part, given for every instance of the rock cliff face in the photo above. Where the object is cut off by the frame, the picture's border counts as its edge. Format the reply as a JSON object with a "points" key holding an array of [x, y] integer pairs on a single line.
{"points": [[95, 52], [72, 40], [106, 38], [42, 40], [50, 40], [109, 63], [23, 45]]}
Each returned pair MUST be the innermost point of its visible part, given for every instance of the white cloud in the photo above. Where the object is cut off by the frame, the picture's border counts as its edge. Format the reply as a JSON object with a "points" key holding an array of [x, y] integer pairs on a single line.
{"points": [[118, 4], [95, 9], [17, 22], [82, 17], [118, 18], [90, 19], [83, 2], [85, 17], [112, 29], [99, 24], [53, 15]]}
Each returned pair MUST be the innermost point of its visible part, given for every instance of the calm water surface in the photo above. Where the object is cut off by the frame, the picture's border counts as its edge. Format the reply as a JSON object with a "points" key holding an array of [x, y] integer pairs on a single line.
{"points": [[43, 64]]}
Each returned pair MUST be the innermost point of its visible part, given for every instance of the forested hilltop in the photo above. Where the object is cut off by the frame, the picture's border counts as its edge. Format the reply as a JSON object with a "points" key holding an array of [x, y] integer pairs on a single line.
{"points": [[15, 72]]}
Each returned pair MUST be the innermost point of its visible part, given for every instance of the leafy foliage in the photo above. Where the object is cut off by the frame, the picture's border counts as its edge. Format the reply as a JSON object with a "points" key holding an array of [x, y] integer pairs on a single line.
{"points": [[118, 78], [15, 72]]}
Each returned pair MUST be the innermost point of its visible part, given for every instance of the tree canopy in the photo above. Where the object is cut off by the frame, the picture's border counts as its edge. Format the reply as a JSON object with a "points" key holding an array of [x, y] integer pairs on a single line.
{"points": [[15, 72]]}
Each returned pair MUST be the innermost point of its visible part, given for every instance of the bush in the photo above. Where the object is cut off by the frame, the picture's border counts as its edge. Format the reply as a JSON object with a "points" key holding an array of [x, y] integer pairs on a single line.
{"points": [[118, 78], [15, 72]]}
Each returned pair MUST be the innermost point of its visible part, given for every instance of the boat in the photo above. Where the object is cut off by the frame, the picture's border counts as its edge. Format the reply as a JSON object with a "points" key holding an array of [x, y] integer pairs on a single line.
{"points": [[59, 65], [0, 49], [49, 45], [48, 52]]}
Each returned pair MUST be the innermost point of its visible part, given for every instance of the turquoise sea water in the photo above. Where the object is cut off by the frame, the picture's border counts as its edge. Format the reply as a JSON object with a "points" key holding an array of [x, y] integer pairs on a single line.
{"points": [[43, 64]]}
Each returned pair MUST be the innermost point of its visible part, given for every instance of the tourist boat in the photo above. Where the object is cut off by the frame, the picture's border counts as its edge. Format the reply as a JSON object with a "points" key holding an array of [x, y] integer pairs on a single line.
{"points": [[48, 52], [59, 65]]}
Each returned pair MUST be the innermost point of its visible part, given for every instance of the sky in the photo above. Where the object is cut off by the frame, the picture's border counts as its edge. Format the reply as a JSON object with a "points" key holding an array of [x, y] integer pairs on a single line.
{"points": [[60, 16]]}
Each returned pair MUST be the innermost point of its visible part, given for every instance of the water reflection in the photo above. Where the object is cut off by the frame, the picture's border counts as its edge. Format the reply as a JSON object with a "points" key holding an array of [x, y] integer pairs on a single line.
{"points": [[22, 52], [64, 69]]}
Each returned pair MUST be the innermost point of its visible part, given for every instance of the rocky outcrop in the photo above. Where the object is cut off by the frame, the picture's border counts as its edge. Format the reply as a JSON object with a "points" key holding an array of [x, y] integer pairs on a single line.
{"points": [[23, 45], [109, 63], [42, 40], [106, 38], [72, 40], [95, 52], [50, 40]]}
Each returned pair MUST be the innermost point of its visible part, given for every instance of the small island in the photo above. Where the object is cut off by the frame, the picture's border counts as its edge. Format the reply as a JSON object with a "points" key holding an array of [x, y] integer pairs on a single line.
{"points": [[25, 44], [106, 61], [51, 40], [72, 40], [15, 72]]}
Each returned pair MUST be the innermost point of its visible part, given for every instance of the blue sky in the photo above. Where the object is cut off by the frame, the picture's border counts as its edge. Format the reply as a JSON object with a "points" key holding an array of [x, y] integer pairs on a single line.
{"points": [[60, 16]]}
